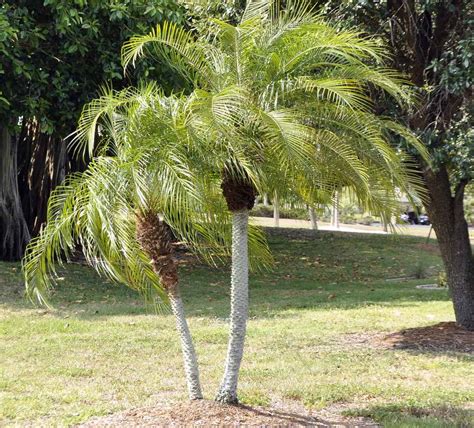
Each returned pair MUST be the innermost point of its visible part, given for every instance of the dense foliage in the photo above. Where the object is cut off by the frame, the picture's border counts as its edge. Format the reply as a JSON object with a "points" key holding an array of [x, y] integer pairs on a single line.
{"points": [[54, 54]]}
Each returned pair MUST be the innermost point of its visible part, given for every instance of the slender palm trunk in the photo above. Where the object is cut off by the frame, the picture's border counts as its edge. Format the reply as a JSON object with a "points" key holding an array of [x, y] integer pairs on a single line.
{"points": [[239, 307], [191, 367], [276, 210], [335, 211], [154, 238], [313, 218]]}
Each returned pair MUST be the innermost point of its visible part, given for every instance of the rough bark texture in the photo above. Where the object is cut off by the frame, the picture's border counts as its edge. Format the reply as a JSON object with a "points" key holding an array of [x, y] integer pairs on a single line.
{"points": [[239, 193], [14, 235], [43, 164], [447, 215], [155, 239], [191, 366], [239, 308], [418, 39]]}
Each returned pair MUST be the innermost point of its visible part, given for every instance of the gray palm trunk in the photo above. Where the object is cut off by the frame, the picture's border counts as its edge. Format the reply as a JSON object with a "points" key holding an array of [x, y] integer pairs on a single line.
{"points": [[239, 307], [276, 210], [191, 367], [313, 218], [335, 211]]}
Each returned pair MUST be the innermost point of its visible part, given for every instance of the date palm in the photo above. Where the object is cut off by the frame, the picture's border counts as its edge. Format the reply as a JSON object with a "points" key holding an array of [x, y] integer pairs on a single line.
{"points": [[285, 93], [140, 189]]}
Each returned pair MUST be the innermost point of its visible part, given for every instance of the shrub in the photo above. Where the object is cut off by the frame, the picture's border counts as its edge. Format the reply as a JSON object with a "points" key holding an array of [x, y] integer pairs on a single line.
{"points": [[420, 270], [347, 219], [261, 210], [368, 220], [442, 280]]}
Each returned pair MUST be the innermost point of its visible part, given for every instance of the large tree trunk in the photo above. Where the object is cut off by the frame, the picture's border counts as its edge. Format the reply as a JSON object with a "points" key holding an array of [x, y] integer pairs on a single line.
{"points": [[43, 165], [191, 367], [446, 213], [14, 235], [239, 307]]}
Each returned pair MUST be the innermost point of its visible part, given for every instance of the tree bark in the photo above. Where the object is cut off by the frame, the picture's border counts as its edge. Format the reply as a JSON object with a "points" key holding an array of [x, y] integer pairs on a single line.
{"points": [[239, 307], [276, 210], [43, 166], [313, 218], [154, 238], [446, 212], [14, 235], [191, 367], [335, 211], [265, 200]]}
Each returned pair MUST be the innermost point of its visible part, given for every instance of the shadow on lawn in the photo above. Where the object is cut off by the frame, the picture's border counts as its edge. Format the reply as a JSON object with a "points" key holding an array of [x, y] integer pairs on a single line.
{"points": [[313, 271], [407, 416], [206, 294]]}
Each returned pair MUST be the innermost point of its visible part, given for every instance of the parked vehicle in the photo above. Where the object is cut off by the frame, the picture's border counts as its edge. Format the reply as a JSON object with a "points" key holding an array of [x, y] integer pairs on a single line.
{"points": [[424, 220]]}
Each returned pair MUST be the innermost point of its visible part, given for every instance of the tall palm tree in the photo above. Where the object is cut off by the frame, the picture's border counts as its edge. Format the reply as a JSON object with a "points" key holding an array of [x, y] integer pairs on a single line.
{"points": [[283, 91], [142, 185]]}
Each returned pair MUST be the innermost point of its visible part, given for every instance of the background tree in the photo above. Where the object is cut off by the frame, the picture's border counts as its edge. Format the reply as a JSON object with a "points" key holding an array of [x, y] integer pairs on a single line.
{"points": [[432, 44], [54, 54]]}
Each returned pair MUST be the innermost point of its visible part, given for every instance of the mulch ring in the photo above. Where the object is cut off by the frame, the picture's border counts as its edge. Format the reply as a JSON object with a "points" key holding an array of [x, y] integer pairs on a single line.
{"points": [[208, 413], [445, 336]]}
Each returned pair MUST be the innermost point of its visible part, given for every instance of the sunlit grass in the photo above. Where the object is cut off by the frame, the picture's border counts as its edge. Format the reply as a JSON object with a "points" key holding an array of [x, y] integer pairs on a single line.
{"points": [[101, 350]]}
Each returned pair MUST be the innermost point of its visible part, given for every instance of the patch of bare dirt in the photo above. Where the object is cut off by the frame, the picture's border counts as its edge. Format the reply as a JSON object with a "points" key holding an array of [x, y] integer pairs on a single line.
{"points": [[445, 336], [208, 413]]}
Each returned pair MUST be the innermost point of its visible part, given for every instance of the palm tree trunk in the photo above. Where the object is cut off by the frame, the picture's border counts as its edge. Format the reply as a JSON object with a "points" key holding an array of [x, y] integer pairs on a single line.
{"points": [[191, 367], [335, 211], [239, 307], [313, 218], [154, 238], [276, 210]]}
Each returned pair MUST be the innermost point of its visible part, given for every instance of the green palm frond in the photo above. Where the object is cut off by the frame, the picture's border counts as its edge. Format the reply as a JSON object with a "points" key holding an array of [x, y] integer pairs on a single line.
{"points": [[190, 57]]}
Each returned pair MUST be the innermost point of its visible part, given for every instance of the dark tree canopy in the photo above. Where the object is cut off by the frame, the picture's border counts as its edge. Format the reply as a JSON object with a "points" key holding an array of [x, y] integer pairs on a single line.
{"points": [[431, 42], [54, 56]]}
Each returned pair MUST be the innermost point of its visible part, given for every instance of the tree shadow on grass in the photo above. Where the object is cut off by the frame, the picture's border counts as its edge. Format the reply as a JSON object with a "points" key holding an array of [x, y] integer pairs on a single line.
{"points": [[80, 292], [396, 415], [319, 271], [443, 338]]}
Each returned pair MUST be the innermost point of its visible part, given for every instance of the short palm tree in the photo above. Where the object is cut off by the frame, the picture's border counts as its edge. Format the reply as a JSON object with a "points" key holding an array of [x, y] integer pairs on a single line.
{"points": [[124, 209], [283, 92]]}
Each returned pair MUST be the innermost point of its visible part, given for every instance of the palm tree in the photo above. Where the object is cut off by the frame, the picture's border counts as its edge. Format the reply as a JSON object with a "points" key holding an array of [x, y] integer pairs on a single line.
{"points": [[122, 209], [283, 91]]}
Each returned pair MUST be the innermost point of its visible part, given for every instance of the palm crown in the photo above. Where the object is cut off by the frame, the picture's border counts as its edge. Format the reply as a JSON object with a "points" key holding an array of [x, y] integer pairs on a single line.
{"points": [[280, 102], [286, 90], [142, 167]]}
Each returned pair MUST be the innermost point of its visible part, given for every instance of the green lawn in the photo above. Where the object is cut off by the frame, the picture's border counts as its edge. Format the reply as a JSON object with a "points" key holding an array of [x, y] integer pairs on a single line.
{"points": [[309, 338]]}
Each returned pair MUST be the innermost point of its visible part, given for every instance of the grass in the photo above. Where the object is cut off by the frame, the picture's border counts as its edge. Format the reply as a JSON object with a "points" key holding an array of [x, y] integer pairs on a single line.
{"points": [[101, 350]]}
